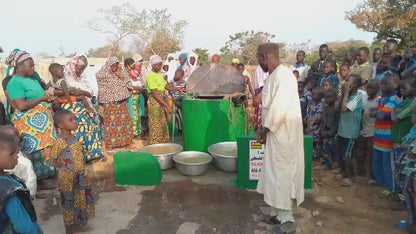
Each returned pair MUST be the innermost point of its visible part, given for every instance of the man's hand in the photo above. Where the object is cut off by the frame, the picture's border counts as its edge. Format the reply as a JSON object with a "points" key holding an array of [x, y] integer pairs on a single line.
{"points": [[261, 135]]}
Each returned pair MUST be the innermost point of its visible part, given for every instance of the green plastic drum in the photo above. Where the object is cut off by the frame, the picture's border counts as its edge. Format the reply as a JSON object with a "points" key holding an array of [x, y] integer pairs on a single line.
{"points": [[209, 121]]}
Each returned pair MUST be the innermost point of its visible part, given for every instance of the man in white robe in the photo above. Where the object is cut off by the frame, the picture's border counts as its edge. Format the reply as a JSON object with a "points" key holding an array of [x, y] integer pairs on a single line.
{"points": [[282, 175]]}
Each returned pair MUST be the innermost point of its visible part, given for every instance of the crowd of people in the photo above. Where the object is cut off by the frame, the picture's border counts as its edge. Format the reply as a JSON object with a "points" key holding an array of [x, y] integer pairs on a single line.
{"points": [[66, 123], [360, 114]]}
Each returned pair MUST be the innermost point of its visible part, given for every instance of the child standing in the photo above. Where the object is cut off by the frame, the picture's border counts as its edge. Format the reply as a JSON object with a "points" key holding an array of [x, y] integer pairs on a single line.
{"points": [[303, 102], [313, 120], [249, 87], [180, 83], [329, 128], [384, 67], [349, 128], [344, 72], [402, 118], [74, 183], [365, 144], [329, 74], [408, 167], [383, 144], [17, 214]]}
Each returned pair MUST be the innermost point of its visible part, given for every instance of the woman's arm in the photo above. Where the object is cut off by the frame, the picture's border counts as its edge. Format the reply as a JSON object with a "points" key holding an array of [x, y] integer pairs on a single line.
{"points": [[159, 99], [22, 104]]}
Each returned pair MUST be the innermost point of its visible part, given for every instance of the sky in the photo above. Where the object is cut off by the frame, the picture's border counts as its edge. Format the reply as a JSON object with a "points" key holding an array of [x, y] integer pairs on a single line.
{"points": [[47, 25]]}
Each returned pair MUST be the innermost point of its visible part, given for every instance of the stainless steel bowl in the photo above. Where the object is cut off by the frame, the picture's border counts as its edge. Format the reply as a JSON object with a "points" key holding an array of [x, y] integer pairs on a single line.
{"points": [[224, 162], [192, 169], [165, 160]]}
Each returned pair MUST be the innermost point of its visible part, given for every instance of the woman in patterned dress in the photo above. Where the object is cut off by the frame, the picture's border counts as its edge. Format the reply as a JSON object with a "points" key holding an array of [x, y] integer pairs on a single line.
{"points": [[158, 104], [33, 115], [114, 90], [88, 132]]}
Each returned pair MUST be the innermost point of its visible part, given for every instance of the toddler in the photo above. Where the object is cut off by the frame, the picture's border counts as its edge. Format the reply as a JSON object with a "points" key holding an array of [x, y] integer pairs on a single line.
{"points": [[74, 183]]}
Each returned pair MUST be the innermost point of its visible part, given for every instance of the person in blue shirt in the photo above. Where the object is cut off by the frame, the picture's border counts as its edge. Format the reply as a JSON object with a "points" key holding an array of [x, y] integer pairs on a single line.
{"points": [[17, 214], [330, 69], [384, 67]]}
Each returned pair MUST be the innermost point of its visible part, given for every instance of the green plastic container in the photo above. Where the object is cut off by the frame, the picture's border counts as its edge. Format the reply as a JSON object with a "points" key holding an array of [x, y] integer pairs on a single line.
{"points": [[209, 121], [243, 177], [137, 169]]}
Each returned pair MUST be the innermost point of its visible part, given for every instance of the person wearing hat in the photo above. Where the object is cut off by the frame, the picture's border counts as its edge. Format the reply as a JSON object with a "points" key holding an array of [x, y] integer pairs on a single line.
{"points": [[282, 174], [235, 62]]}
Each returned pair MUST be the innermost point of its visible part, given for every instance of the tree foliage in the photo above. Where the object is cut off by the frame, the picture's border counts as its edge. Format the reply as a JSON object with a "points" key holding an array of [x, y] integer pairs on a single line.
{"points": [[203, 56], [243, 45], [147, 31], [158, 33], [388, 18], [119, 22]]}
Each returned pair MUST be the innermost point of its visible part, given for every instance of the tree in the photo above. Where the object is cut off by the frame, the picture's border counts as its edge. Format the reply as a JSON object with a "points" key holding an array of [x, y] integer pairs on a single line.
{"points": [[119, 22], [244, 45], [158, 33], [147, 31], [388, 18], [341, 48], [104, 52], [203, 56]]}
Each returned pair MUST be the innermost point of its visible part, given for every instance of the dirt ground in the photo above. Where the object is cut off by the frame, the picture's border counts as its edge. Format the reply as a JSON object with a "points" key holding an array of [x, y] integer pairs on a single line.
{"points": [[211, 204]]}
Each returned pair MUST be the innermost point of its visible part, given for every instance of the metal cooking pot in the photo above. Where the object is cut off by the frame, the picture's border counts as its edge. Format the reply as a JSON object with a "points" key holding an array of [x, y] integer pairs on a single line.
{"points": [[224, 162], [192, 169], [165, 160]]}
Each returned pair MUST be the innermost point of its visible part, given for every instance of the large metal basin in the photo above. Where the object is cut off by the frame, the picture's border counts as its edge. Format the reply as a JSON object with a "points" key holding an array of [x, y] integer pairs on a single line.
{"points": [[165, 159], [192, 168], [222, 161]]}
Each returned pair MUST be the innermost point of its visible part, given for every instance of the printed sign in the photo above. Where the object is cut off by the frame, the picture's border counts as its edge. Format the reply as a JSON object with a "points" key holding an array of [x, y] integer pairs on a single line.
{"points": [[256, 155]]}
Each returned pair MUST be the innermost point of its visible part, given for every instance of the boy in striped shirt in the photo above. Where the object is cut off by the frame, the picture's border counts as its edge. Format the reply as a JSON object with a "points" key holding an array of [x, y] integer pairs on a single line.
{"points": [[383, 144]]}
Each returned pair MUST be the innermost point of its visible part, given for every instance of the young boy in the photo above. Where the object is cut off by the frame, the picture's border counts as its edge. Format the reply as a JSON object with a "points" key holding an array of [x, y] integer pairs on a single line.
{"points": [[383, 144], [402, 123], [249, 87], [365, 144], [329, 128], [58, 82], [329, 74], [303, 102], [17, 214], [384, 67], [179, 82], [24, 168], [351, 105], [314, 121], [328, 85], [408, 166], [296, 73], [344, 72], [165, 71]]}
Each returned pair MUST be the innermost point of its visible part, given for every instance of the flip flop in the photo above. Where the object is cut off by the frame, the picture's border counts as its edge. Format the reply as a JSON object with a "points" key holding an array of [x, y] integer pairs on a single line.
{"points": [[284, 228], [271, 220]]}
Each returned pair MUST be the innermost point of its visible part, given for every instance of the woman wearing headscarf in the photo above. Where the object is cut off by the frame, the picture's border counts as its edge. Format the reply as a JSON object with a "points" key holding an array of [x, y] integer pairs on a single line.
{"points": [[114, 89], [11, 71], [33, 114], [173, 65], [191, 65], [88, 132], [182, 60], [158, 104]]}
